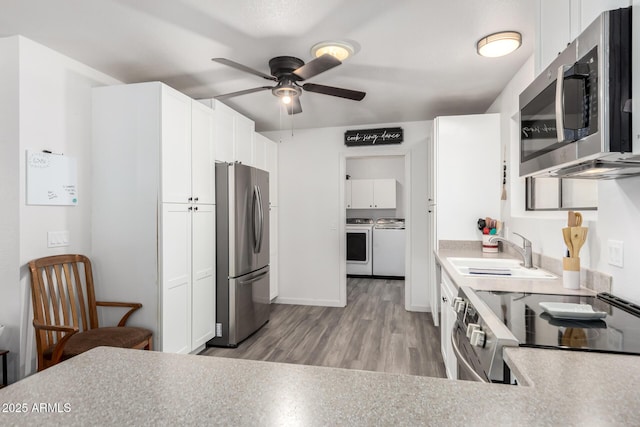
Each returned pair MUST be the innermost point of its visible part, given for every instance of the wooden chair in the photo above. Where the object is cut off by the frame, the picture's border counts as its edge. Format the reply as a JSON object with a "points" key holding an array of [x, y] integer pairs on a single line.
{"points": [[65, 316]]}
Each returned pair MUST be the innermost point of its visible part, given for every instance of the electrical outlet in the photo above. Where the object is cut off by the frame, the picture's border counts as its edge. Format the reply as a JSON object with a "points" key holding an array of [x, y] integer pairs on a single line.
{"points": [[56, 239], [616, 252]]}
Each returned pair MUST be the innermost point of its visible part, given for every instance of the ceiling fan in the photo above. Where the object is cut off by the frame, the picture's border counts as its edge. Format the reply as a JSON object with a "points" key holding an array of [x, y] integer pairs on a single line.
{"points": [[288, 71]]}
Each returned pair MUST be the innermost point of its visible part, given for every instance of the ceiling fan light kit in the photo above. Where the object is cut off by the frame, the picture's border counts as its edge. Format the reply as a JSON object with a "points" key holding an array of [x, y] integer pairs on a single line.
{"points": [[287, 72], [338, 49], [499, 44]]}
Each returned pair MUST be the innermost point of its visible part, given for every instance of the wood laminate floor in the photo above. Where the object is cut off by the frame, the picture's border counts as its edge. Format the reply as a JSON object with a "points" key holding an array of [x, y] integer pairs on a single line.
{"points": [[373, 332]]}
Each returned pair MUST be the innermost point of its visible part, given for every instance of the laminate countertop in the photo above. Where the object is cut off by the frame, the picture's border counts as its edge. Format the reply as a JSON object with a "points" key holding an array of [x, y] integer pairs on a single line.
{"points": [[112, 386], [540, 286]]}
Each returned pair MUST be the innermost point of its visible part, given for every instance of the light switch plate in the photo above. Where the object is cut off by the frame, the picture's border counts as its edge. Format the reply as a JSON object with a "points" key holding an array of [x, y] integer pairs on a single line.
{"points": [[56, 239], [616, 252]]}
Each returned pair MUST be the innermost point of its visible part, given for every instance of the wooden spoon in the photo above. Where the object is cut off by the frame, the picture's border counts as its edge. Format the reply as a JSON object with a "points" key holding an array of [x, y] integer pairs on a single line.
{"points": [[578, 237], [578, 217], [566, 233]]}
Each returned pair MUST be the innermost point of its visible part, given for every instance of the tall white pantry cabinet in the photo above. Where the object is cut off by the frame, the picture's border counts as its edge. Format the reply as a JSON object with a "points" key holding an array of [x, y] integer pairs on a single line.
{"points": [[153, 210]]}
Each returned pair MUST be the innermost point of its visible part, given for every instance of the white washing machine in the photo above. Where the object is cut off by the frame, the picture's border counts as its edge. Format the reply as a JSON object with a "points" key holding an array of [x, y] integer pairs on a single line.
{"points": [[388, 247], [359, 246]]}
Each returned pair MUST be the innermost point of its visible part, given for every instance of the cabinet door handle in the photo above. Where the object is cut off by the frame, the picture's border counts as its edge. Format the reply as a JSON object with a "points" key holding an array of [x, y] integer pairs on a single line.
{"points": [[195, 208], [190, 208], [195, 199], [190, 199], [444, 299]]}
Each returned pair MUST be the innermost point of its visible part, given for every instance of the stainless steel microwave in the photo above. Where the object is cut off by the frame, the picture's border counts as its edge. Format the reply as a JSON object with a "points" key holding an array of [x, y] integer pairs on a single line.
{"points": [[575, 118]]}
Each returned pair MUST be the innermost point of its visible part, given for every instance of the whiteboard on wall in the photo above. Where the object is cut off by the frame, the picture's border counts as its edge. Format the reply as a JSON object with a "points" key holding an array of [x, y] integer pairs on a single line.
{"points": [[51, 179]]}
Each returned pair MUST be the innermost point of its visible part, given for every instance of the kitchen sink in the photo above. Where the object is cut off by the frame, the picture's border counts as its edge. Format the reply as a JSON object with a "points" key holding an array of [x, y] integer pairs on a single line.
{"points": [[497, 267]]}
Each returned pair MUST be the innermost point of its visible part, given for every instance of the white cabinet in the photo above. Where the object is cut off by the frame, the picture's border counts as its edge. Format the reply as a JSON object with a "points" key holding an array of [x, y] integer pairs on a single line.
{"points": [[273, 252], [271, 163], [271, 155], [371, 193], [560, 22], [203, 278], [448, 320], [361, 193], [243, 132], [260, 152], [384, 193], [153, 217], [467, 176], [233, 135], [347, 194]]}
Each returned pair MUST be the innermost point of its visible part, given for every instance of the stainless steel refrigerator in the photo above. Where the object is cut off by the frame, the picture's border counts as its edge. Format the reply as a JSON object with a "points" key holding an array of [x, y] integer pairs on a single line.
{"points": [[242, 252]]}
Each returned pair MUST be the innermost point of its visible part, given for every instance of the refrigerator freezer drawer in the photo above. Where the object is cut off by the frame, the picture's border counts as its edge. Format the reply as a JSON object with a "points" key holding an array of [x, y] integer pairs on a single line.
{"points": [[248, 304]]}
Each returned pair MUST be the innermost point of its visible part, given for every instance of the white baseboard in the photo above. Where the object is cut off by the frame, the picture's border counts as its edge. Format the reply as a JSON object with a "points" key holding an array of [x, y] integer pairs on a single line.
{"points": [[420, 308], [307, 301]]}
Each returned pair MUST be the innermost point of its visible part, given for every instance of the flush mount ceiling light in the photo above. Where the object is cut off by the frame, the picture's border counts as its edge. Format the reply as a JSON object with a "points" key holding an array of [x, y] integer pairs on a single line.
{"points": [[499, 44], [338, 49]]}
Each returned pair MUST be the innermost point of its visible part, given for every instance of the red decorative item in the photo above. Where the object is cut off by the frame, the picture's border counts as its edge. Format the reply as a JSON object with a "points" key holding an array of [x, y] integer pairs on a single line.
{"points": [[485, 230]]}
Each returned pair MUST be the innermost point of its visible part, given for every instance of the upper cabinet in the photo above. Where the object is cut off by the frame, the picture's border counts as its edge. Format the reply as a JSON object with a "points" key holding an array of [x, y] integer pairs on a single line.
{"points": [[370, 194], [233, 135], [560, 22], [187, 149]]}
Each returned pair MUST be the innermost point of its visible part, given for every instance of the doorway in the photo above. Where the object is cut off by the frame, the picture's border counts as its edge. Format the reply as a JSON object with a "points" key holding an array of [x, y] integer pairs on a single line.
{"points": [[375, 165]]}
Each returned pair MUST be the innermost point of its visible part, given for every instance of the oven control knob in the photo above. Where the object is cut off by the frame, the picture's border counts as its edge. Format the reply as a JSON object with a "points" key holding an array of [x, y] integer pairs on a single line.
{"points": [[472, 327], [477, 338]]}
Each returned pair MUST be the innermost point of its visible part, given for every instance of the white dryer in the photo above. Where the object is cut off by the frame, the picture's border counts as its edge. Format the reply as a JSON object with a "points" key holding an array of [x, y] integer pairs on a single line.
{"points": [[359, 246]]}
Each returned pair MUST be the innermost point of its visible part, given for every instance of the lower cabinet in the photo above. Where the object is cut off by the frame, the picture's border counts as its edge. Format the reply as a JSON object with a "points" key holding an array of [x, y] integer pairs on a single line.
{"points": [[188, 276], [447, 323]]}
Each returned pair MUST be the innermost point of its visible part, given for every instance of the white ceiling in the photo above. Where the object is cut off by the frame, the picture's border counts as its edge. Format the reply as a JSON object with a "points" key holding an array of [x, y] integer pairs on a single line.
{"points": [[416, 59]]}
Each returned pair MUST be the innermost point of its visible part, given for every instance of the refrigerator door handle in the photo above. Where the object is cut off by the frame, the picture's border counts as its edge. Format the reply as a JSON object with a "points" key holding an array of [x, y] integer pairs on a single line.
{"points": [[261, 217], [253, 279], [254, 226]]}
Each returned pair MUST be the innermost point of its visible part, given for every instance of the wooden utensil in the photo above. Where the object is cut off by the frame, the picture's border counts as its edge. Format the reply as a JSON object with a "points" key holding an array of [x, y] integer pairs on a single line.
{"points": [[566, 233], [571, 219], [578, 237], [578, 217]]}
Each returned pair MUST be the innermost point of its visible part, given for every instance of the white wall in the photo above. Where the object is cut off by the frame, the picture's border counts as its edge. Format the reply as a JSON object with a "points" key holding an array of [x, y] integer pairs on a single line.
{"points": [[53, 106], [379, 168], [311, 219], [618, 204]]}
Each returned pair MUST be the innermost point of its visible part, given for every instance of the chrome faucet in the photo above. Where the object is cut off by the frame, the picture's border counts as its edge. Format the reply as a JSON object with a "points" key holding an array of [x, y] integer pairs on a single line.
{"points": [[524, 251]]}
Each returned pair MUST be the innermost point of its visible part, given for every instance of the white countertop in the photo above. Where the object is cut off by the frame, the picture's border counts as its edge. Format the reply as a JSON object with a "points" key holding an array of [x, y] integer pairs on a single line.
{"points": [[540, 286], [112, 386]]}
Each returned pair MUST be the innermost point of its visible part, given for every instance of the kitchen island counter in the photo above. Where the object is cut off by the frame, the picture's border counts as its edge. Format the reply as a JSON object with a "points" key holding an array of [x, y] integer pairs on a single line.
{"points": [[107, 386]]}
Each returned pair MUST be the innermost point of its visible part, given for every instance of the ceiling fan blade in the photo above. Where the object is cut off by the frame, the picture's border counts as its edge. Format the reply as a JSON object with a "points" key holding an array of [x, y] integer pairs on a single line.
{"points": [[317, 66], [295, 106], [244, 68], [242, 92], [334, 91]]}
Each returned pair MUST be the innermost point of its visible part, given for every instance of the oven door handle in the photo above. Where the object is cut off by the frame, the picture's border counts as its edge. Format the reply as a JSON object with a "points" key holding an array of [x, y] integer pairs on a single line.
{"points": [[463, 362]]}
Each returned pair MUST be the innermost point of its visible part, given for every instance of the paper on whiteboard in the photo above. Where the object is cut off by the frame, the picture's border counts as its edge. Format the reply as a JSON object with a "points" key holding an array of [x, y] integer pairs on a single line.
{"points": [[51, 179]]}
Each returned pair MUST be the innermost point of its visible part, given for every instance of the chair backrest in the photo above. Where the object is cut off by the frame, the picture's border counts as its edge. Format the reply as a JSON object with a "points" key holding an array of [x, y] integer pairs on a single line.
{"points": [[62, 295]]}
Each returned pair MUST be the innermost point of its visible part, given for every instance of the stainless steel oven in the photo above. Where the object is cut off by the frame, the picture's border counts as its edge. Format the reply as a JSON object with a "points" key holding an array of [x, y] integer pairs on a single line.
{"points": [[575, 118]]}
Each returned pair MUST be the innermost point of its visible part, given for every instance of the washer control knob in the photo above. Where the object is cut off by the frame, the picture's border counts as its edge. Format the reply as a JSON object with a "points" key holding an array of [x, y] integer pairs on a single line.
{"points": [[477, 338], [472, 327]]}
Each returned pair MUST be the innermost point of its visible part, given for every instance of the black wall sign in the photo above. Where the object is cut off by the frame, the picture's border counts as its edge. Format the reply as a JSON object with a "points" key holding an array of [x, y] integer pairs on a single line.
{"points": [[356, 138]]}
